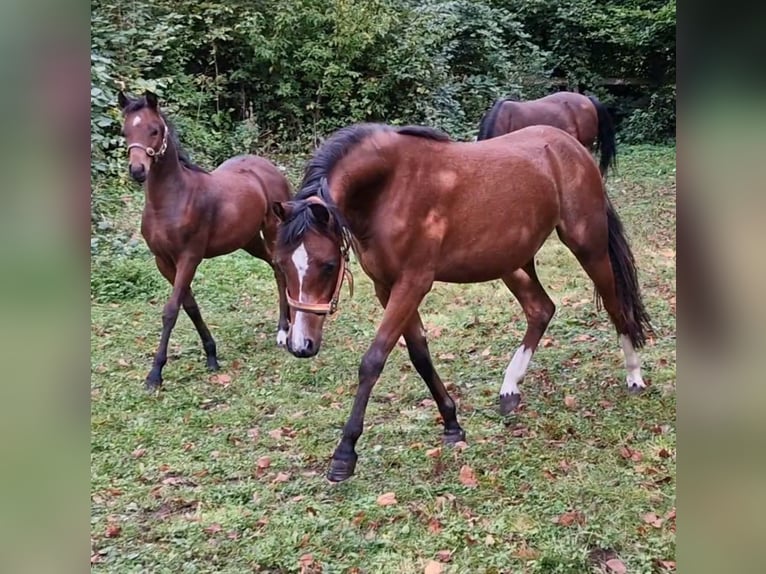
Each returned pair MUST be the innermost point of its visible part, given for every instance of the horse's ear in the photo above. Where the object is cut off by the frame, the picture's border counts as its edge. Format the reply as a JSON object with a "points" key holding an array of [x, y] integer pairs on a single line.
{"points": [[282, 210], [122, 100], [151, 99], [320, 213]]}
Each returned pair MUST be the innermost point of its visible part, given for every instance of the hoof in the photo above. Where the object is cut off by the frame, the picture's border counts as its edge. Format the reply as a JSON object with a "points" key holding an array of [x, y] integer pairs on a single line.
{"points": [[340, 470], [635, 389], [508, 403], [453, 437], [152, 385], [282, 338], [212, 364]]}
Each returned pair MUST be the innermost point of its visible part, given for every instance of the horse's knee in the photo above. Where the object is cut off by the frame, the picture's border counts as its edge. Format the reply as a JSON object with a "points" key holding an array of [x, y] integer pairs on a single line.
{"points": [[371, 366]]}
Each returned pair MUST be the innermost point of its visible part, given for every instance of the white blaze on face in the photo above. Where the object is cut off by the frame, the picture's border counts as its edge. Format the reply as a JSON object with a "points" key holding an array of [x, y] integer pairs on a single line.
{"points": [[300, 260], [632, 363], [516, 370], [136, 121]]}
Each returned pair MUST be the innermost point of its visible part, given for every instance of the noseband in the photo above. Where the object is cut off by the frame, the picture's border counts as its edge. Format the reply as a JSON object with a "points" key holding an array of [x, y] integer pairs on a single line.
{"points": [[332, 306], [150, 151]]}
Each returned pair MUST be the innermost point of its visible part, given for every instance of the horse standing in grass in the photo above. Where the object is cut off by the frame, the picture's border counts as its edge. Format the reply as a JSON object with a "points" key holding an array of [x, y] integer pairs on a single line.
{"points": [[583, 117], [418, 208], [190, 215]]}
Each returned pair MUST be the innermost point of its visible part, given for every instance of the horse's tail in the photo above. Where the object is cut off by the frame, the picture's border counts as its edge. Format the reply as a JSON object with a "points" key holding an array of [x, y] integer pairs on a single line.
{"points": [[636, 318], [487, 124], [606, 142]]}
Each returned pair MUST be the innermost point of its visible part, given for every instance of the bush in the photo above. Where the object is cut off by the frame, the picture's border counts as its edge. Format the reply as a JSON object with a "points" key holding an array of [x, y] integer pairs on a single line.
{"points": [[125, 278]]}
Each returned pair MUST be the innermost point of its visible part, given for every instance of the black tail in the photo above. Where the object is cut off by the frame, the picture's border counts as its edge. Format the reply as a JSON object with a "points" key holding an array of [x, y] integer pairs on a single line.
{"points": [[606, 142], [637, 322], [487, 124]]}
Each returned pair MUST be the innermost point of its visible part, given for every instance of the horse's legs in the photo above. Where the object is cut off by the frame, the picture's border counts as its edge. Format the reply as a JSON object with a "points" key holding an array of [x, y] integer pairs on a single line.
{"points": [[258, 248], [538, 309], [596, 263], [402, 303], [417, 347], [184, 273], [192, 310]]}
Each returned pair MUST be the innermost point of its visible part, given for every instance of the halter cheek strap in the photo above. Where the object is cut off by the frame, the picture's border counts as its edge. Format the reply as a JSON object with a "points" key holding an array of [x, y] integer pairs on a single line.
{"points": [[344, 272], [150, 151]]}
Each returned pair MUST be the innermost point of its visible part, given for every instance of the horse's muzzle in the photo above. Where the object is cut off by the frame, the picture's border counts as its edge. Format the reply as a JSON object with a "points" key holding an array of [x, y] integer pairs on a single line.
{"points": [[138, 173]]}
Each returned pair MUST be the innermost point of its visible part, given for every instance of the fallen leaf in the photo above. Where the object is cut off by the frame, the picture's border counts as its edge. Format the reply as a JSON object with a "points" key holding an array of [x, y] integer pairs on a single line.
{"points": [[282, 477], [570, 518], [221, 379], [671, 515], [489, 540], [486, 352], [546, 342], [305, 562], [444, 555], [433, 567], [213, 528], [113, 530], [387, 499], [123, 362], [138, 453], [434, 526], [667, 564], [615, 565], [460, 445], [664, 453], [276, 434], [447, 357], [570, 402], [653, 519], [434, 452], [264, 462], [527, 553], [467, 477]]}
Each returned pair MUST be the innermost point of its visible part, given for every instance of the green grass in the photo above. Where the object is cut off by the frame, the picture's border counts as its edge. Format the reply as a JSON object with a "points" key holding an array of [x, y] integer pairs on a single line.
{"points": [[176, 482]]}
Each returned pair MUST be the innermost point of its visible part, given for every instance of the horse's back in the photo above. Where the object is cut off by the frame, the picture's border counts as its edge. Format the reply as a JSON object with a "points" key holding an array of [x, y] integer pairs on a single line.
{"points": [[258, 171]]}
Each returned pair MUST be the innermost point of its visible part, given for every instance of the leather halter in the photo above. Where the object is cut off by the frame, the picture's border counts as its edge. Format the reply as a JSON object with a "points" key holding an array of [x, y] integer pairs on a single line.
{"points": [[150, 151], [332, 305]]}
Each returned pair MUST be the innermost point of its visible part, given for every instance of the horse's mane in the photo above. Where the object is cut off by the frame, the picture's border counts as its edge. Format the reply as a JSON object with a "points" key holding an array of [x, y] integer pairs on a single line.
{"points": [[317, 171], [183, 156], [487, 123]]}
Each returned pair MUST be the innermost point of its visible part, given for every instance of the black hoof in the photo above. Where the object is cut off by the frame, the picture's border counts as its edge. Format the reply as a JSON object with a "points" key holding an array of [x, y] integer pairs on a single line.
{"points": [[508, 403], [152, 385], [636, 390], [453, 437], [212, 364], [340, 470]]}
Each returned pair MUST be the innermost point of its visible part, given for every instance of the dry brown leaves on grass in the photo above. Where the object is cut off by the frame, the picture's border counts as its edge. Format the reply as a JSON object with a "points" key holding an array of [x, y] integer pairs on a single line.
{"points": [[433, 567], [570, 518], [387, 499], [467, 477]]}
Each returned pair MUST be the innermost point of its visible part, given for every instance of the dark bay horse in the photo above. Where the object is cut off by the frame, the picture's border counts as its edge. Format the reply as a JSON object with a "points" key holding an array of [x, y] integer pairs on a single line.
{"points": [[418, 208], [583, 117], [190, 214]]}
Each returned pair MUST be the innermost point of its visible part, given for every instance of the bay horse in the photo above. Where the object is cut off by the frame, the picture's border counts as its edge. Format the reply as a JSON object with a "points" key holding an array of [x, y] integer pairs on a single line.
{"points": [[416, 208], [583, 117], [191, 214]]}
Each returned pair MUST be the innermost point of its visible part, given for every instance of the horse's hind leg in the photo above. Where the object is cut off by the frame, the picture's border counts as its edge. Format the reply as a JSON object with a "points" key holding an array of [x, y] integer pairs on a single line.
{"points": [[538, 309], [193, 312], [603, 252], [258, 248]]}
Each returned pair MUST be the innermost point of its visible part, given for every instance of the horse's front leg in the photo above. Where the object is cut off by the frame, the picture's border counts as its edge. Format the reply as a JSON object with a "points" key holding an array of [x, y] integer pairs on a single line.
{"points": [[404, 300], [185, 269]]}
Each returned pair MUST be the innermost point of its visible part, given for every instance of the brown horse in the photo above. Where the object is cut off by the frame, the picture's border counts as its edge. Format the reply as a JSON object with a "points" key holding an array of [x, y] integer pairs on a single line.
{"points": [[190, 215], [419, 208], [583, 117]]}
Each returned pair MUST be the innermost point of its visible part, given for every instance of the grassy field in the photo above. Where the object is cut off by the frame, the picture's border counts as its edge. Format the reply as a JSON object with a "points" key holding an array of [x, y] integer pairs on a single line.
{"points": [[224, 472]]}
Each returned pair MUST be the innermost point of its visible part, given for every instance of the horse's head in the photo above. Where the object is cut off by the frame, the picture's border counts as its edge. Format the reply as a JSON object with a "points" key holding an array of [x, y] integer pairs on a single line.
{"points": [[312, 253], [146, 133]]}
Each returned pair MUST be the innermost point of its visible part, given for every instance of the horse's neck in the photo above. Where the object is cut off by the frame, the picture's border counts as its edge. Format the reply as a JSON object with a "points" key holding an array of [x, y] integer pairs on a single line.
{"points": [[165, 184]]}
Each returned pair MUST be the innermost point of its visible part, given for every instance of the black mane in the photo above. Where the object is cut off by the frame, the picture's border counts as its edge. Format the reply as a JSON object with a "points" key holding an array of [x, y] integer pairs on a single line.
{"points": [[314, 183], [137, 104], [487, 124]]}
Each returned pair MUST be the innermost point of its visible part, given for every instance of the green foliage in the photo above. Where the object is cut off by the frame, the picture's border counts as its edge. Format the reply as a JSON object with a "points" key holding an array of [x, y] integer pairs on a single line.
{"points": [[125, 278]]}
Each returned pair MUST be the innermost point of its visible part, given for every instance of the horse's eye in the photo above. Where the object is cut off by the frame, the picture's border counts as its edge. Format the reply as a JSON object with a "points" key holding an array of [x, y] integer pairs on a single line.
{"points": [[328, 268], [154, 132]]}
